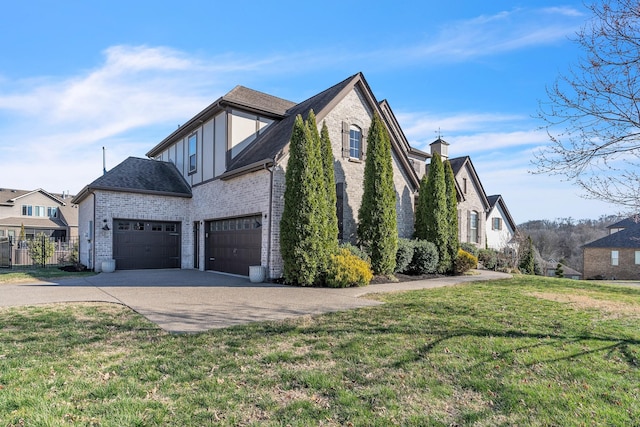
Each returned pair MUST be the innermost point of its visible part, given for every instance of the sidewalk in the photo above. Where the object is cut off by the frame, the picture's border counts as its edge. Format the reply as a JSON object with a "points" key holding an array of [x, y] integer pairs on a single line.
{"points": [[196, 301]]}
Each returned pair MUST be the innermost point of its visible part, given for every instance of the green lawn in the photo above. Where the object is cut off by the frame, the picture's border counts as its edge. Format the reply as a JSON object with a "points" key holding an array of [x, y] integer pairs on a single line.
{"points": [[526, 351]]}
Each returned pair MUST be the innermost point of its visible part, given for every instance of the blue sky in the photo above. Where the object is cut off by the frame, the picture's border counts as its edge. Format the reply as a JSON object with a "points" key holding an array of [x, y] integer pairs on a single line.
{"points": [[76, 76]]}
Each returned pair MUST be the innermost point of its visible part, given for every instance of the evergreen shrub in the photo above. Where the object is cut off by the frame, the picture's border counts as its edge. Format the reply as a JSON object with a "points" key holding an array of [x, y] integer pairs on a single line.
{"points": [[465, 262], [356, 251], [346, 270], [425, 258], [404, 255], [488, 258], [471, 248]]}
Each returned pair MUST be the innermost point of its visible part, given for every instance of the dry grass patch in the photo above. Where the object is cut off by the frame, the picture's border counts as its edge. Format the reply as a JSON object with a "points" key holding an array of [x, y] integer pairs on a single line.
{"points": [[611, 309]]}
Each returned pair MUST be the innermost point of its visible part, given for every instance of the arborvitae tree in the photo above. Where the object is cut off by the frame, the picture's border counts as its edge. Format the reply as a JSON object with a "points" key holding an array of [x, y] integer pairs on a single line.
{"points": [[302, 232], [377, 222], [452, 212], [330, 184], [527, 263], [421, 210], [327, 244], [559, 271], [436, 227]]}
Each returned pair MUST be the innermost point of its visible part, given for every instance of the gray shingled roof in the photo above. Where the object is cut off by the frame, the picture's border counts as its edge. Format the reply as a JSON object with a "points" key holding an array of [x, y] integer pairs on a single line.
{"points": [[143, 176], [627, 222], [258, 100], [277, 136], [627, 238]]}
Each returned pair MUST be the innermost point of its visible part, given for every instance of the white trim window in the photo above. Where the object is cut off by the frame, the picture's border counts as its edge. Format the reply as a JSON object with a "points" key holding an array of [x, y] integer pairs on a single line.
{"points": [[355, 142], [27, 210], [193, 152], [615, 257], [637, 256], [41, 211], [473, 227]]}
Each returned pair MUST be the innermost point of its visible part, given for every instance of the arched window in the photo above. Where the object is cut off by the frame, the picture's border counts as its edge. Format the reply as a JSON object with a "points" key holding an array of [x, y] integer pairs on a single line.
{"points": [[355, 142]]}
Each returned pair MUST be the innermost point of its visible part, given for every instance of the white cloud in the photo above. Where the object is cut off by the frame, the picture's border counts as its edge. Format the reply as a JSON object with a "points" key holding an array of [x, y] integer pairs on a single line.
{"points": [[499, 33]]}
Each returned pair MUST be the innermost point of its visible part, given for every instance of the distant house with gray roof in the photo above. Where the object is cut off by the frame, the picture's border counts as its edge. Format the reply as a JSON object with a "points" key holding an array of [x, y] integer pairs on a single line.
{"points": [[210, 195], [38, 211], [616, 256]]}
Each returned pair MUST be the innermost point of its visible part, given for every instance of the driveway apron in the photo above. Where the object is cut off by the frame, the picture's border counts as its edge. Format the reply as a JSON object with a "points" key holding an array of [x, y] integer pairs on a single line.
{"points": [[195, 301]]}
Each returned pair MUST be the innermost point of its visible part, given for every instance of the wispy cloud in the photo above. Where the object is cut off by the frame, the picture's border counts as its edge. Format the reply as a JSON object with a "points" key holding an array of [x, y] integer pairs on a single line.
{"points": [[499, 33]]}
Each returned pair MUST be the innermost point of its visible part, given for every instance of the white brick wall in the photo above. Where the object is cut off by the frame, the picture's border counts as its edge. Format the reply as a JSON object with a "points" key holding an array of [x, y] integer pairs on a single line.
{"points": [[111, 205], [241, 196]]}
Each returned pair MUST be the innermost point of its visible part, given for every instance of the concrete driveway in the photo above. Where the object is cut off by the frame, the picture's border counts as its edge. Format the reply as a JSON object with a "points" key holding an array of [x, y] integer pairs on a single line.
{"points": [[195, 301]]}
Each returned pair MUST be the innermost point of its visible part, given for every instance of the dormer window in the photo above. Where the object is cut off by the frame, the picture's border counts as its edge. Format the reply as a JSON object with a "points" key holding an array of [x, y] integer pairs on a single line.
{"points": [[355, 142]]}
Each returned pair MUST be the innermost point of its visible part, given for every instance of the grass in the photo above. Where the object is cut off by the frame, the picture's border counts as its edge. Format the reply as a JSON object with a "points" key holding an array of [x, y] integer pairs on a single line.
{"points": [[31, 274], [525, 351]]}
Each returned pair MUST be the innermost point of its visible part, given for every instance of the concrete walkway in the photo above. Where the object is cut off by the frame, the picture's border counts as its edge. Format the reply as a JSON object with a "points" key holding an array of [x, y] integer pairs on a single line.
{"points": [[195, 301]]}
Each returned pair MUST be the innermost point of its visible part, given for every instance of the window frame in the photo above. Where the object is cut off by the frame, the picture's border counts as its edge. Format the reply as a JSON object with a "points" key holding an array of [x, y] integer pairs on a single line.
{"points": [[474, 226], [357, 147], [637, 257], [192, 155], [498, 221], [615, 258], [27, 210]]}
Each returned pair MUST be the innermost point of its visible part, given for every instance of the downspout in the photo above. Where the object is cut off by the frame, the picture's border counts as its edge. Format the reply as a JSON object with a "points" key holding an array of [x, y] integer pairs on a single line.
{"points": [[92, 234], [270, 212]]}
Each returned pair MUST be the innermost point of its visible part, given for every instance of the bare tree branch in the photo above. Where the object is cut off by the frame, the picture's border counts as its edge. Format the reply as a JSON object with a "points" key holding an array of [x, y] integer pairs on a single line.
{"points": [[592, 115]]}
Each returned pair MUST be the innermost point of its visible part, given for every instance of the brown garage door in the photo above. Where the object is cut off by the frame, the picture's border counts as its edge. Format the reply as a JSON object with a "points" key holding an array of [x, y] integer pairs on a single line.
{"points": [[141, 244], [233, 244]]}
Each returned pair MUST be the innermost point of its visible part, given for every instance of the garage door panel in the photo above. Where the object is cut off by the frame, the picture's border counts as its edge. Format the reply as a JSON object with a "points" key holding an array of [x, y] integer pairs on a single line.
{"points": [[146, 244], [234, 244]]}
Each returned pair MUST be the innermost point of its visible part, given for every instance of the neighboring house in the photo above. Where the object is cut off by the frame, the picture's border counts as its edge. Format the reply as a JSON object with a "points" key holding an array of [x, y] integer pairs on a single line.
{"points": [[473, 204], [211, 195], [567, 272], [38, 211], [616, 256], [500, 227]]}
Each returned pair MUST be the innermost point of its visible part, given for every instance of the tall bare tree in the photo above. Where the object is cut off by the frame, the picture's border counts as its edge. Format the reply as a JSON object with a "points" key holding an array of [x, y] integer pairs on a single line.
{"points": [[592, 115]]}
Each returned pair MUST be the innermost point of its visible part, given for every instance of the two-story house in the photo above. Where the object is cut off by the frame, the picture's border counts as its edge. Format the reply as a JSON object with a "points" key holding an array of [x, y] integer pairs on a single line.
{"points": [[210, 195], [37, 211]]}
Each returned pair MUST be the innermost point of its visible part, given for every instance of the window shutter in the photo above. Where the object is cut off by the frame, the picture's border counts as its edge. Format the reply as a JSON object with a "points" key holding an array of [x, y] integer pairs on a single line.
{"points": [[468, 226], [340, 208], [363, 149], [345, 140]]}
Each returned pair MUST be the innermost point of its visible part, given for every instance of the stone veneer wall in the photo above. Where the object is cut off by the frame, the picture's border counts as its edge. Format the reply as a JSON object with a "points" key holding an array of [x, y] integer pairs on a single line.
{"points": [[597, 262], [354, 110], [472, 203]]}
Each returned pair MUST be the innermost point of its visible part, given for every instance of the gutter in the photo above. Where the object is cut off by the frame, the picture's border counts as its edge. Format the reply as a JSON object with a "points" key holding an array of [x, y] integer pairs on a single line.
{"points": [[262, 164], [271, 171]]}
